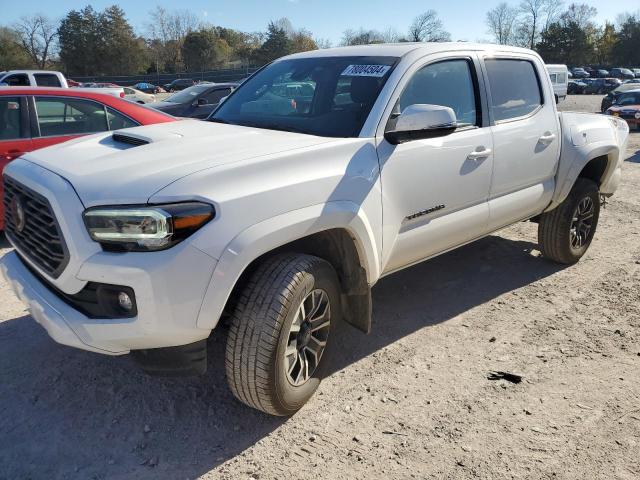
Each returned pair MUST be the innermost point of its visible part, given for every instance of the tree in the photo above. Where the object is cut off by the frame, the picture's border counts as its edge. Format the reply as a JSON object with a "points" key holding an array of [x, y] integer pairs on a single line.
{"points": [[361, 37], [302, 41], [79, 40], [12, 53], [625, 51], [427, 27], [203, 50], [275, 46], [502, 22], [581, 14], [565, 42], [536, 16], [37, 34], [121, 51], [605, 43], [167, 31]]}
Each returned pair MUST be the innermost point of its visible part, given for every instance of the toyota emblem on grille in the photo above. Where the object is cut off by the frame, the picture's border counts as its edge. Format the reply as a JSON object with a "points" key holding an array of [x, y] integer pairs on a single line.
{"points": [[17, 210]]}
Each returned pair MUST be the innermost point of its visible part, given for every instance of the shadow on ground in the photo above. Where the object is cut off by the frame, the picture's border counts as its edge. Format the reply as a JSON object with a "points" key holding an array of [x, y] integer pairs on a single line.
{"points": [[73, 414], [635, 158]]}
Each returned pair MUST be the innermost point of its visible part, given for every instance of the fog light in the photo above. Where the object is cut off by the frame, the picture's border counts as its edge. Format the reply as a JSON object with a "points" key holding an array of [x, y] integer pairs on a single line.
{"points": [[125, 302]]}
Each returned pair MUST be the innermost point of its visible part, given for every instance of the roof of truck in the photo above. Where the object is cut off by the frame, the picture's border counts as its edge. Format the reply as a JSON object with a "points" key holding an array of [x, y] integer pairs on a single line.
{"points": [[401, 49]]}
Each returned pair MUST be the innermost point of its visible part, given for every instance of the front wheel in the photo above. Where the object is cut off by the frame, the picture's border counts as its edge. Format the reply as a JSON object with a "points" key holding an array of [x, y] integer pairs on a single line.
{"points": [[279, 332], [565, 233]]}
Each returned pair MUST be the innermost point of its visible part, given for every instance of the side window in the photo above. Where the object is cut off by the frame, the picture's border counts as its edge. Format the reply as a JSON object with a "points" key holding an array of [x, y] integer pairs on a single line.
{"points": [[515, 89], [10, 119], [129, 91], [562, 78], [69, 116], [553, 77], [47, 80], [448, 83], [17, 80], [216, 95], [118, 121]]}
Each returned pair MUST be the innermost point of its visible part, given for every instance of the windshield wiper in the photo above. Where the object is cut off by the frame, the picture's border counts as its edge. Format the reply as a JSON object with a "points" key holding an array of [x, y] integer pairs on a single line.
{"points": [[217, 120], [276, 126]]}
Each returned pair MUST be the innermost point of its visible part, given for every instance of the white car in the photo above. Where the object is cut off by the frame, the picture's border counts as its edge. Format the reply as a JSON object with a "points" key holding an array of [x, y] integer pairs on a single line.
{"points": [[49, 79], [137, 96], [284, 209]]}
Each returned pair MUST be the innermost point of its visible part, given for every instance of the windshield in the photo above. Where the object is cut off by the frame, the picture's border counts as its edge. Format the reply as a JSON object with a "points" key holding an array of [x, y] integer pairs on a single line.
{"points": [[187, 95], [324, 96], [629, 99]]}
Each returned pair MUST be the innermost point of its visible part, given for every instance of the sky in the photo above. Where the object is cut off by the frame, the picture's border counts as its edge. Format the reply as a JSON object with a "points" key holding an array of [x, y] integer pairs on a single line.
{"points": [[326, 19]]}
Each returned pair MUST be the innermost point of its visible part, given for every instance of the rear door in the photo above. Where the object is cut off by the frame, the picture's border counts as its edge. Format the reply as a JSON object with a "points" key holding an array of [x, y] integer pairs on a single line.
{"points": [[15, 135], [526, 137], [58, 119]]}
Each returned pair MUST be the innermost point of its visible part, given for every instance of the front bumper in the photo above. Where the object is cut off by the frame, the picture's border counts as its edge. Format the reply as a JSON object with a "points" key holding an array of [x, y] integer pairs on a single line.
{"points": [[169, 289]]}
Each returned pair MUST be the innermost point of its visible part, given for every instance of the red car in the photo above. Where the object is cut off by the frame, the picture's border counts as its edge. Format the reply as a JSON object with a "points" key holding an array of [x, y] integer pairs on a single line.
{"points": [[33, 118]]}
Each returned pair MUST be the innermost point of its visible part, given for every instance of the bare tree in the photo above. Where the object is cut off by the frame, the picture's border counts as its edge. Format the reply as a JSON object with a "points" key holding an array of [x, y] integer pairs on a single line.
{"points": [[580, 14], [37, 34], [427, 27], [167, 31], [536, 16], [501, 22], [323, 43]]}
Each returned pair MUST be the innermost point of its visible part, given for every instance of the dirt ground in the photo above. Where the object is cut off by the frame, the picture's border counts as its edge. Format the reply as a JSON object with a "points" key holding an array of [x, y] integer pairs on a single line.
{"points": [[411, 400]]}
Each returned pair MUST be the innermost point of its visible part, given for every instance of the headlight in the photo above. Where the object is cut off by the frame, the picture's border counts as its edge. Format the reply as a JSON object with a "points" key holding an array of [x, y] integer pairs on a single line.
{"points": [[145, 228]]}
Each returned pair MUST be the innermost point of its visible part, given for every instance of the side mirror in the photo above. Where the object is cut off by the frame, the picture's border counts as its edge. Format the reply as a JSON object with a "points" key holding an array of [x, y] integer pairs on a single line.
{"points": [[222, 99], [202, 101], [422, 121], [4, 84]]}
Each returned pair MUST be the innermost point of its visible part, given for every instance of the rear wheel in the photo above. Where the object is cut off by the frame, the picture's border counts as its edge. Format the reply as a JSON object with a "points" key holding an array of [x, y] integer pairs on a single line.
{"points": [[565, 233], [279, 332]]}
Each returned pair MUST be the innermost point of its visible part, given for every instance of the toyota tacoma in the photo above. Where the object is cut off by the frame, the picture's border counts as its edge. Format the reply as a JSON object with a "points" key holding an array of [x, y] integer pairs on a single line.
{"points": [[320, 174]]}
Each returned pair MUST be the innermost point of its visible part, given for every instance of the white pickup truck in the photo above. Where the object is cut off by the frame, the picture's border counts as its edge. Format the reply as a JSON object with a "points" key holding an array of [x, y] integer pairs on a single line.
{"points": [[320, 174], [49, 79]]}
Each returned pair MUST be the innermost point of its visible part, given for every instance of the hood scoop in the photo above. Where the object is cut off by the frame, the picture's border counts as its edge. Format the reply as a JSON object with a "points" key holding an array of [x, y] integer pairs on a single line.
{"points": [[129, 139]]}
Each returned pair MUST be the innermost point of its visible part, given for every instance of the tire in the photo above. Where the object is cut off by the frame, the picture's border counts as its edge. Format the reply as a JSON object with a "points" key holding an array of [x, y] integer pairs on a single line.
{"points": [[557, 242], [262, 328]]}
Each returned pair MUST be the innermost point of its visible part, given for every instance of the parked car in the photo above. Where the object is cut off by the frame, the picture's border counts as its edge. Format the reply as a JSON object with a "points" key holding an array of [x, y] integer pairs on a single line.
{"points": [[148, 88], [179, 84], [195, 102], [608, 100], [559, 79], [621, 73], [101, 85], [137, 96], [635, 81], [580, 73], [48, 78], [602, 85], [601, 73], [627, 107], [283, 213], [636, 72], [33, 118], [576, 87]]}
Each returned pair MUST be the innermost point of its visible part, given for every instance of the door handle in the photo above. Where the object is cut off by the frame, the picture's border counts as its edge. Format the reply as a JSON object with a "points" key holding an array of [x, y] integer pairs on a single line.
{"points": [[547, 138], [478, 154]]}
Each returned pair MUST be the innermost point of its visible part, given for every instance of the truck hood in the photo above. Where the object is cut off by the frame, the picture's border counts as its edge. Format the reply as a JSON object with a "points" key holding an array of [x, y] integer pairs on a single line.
{"points": [[105, 170]]}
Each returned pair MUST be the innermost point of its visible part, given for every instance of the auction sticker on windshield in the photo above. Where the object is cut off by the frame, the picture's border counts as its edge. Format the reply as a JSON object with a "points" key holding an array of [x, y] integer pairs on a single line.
{"points": [[366, 70]]}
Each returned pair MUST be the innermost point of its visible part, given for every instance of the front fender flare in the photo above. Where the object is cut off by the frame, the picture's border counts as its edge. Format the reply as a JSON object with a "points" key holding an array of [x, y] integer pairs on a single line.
{"points": [[274, 232]]}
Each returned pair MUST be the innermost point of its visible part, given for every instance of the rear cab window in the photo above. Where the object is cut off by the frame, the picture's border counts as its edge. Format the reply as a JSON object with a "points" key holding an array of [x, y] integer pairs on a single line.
{"points": [[17, 80], [515, 88], [47, 80]]}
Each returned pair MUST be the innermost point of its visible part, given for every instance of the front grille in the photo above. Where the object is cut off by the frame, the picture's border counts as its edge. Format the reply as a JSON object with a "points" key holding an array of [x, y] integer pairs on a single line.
{"points": [[38, 236]]}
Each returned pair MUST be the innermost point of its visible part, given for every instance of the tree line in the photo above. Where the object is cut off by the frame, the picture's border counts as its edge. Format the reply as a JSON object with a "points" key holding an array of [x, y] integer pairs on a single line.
{"points": [[567, 33], [88, 42]]}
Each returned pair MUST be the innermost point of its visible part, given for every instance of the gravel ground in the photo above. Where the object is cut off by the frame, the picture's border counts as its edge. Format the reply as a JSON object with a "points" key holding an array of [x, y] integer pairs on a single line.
{"points": [[411, 400]]}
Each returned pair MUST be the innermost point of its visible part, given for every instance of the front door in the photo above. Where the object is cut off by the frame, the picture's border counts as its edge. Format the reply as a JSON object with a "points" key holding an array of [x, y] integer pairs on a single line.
{"points": [[435, 190]]}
